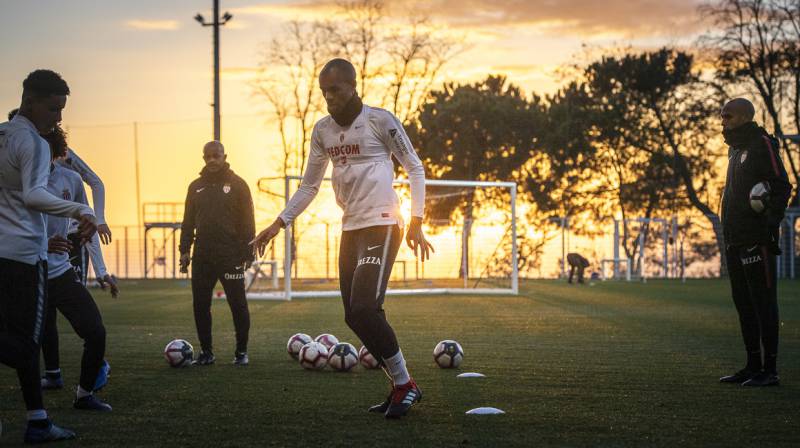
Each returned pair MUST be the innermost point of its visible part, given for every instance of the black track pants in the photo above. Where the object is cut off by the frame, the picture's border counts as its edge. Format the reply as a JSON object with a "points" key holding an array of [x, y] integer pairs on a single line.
{"points": [[204, 276], [753, 286], [68, 295], [23, 302], [366, 257], [572, 269]]}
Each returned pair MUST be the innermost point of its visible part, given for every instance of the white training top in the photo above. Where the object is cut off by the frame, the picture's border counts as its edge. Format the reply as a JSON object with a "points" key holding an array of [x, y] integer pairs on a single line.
{"points": [[363, 171], [24, 199], [68, 185], [75, 163]]}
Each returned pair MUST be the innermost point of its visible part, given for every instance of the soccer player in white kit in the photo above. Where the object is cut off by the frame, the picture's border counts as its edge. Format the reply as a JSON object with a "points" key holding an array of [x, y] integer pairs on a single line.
{"points": [[360, 141]]}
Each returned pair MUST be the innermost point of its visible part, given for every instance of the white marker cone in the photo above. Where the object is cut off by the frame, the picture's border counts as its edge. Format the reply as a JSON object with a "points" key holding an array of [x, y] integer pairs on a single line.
{"points": [[471, 375], [485, 411]]}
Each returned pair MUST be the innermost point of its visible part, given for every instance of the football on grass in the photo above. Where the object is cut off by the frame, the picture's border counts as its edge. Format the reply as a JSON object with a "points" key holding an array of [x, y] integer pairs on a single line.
{"points": [[179, 353], [366, 359], [313, 356], [448, 354], [328, 340], [297, 342], [343, 357]]}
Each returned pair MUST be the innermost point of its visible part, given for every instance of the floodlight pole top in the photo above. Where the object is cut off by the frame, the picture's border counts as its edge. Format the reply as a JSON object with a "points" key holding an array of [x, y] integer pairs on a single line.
{"points": [[215, 23]]}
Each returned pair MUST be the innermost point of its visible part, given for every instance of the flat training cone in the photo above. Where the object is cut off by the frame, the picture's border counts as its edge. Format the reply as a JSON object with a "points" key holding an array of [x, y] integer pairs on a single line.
{"points": [[485, 411], [471, 375]]}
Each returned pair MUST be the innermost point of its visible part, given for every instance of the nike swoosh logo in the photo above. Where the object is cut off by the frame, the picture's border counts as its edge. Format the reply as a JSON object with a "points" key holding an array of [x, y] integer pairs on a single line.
{"points": [[201, 189], [359, 127], [374, 247], [752, 248]]}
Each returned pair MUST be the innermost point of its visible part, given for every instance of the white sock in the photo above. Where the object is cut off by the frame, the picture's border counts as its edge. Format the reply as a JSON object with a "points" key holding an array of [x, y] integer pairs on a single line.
{"points": [[82, 393], [38, 414], [396, 365]]}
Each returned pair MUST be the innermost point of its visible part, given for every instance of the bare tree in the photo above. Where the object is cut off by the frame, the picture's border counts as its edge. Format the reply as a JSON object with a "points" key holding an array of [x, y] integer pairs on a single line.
{"points": [[360, 40], [789, 14], [756, 44], [417, 52], [288, 81]]}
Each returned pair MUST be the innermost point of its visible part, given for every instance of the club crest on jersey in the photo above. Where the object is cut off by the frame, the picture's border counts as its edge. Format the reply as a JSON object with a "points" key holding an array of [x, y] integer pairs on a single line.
{"points": [[341, 137], [226, 188], [66, 195], [744, 157]]}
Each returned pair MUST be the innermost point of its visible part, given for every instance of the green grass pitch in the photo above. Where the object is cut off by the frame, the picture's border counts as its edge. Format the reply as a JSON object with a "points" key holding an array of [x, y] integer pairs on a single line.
{"points": [[614, 364]]}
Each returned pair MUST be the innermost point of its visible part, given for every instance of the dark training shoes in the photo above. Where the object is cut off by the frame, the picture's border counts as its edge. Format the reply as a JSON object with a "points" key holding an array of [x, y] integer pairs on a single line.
{"points": [[91, 403], [241, 359], [738, 377], [52, 381], [763, 379], [382, 407], [403, 397], [206, 358], [48, 432]]}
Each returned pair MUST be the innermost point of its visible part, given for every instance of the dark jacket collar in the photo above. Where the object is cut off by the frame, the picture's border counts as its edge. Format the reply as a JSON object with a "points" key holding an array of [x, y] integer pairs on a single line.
{"points": [[217, 176], [745, 136]]}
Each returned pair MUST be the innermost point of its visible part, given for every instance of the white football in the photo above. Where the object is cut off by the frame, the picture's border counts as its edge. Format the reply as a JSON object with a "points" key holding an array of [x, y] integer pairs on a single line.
{"points": [[313, 356], [179, 353], [759, 197], [297, 342], [343, 357], [328, 340], [366, 359], [448, 354]]}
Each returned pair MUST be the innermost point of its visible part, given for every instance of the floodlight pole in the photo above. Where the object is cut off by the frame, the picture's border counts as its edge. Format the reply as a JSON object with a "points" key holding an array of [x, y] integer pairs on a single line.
{"points": [[216, 23]]}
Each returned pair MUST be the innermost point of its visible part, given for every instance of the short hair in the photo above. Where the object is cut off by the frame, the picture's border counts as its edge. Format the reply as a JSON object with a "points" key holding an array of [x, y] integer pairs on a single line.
{"points": [[743, 106], [12, 113], [214, 144], [342, 66], [57, 139], [43, 83]]}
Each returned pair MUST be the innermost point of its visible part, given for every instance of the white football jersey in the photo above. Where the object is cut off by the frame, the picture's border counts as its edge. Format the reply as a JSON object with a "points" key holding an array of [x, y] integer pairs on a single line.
{"points": [[363, 171]]}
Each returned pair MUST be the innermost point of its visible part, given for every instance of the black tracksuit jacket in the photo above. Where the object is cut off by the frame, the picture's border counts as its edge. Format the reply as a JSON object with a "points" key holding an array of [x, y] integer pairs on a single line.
{"points": [[754, 157], [218, 218]]}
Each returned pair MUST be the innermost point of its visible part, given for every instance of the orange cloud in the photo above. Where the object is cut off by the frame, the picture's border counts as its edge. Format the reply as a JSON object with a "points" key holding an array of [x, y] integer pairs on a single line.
{"points": [[153, 25], [588, 18]]}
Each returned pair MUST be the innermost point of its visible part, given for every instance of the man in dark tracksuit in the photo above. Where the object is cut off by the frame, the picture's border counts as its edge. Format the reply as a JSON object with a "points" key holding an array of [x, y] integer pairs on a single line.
{"points": [[751, 239], [219, 220], [577, 262]]}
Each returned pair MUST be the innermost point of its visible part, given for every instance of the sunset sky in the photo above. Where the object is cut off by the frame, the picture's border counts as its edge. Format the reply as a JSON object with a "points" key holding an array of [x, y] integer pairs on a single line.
{"points": [[148, 61]]}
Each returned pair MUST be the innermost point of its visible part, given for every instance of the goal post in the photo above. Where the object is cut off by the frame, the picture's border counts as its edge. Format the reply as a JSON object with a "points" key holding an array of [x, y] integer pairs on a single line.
{"points": [[471, 224]]}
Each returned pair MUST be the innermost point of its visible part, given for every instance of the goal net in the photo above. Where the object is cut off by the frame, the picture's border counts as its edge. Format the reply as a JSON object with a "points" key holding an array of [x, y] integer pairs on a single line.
{"points": [[472, 226]]}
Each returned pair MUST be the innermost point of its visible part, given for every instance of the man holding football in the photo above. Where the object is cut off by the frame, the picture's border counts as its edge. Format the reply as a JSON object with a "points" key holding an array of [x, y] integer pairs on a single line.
{"points": [[360, 141], [757, 190]]}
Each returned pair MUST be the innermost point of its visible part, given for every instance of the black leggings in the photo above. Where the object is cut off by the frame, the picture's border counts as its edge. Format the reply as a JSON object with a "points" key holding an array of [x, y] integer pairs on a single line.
{"points": [[366, 258], [753, 285], [204, 276], [23, 301], [68, 295]]}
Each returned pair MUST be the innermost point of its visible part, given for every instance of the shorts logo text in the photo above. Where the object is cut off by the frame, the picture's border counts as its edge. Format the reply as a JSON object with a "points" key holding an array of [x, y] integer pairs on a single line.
{"points": [[751, 260], [369, 260]]}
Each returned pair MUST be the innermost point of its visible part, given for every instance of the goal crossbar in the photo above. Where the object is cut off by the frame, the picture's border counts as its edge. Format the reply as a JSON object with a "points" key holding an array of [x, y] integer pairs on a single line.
{"points": [[288, 292]]}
